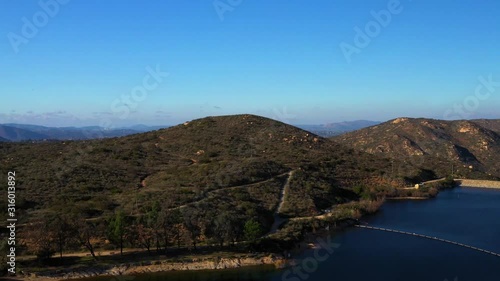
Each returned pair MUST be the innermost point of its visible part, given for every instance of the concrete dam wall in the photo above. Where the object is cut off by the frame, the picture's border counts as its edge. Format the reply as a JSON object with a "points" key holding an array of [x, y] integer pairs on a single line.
{"points": [[478, 183]]}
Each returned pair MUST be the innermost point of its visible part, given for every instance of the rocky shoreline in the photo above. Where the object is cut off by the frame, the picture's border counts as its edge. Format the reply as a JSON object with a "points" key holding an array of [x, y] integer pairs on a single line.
{"points": [[408, 198], [158, 266]]}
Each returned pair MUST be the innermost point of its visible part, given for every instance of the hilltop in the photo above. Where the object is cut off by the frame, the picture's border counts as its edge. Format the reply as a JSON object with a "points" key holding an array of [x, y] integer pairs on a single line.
{"points": [[213, 181], [470, 148], [27, 132], [208, 161]]}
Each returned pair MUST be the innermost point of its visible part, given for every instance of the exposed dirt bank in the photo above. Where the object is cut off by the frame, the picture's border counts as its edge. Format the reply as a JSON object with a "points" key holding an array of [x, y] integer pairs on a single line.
{"points": [[157, 266]]}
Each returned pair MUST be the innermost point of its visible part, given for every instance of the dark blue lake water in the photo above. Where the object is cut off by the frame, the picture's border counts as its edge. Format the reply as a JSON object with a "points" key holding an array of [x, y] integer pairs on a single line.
{"points": [[465, 215]]}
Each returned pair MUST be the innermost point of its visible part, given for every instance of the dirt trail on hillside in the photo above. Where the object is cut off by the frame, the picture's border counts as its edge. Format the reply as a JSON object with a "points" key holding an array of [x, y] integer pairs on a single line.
{"points": [[278, 220], [208, 194]]}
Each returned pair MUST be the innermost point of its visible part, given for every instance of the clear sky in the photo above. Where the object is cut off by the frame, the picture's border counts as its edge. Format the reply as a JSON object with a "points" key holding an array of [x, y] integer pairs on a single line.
{"points": [[89, 62]]}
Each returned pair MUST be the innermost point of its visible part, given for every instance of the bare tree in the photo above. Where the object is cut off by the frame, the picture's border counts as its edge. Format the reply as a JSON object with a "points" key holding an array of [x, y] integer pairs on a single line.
{"points": [[192, 223], [87, 232], [61, 230]]}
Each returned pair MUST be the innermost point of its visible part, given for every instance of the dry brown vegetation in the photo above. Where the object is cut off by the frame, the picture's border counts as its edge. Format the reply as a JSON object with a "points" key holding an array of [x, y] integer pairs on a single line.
{"points": [[209, 182], [425, 149]]}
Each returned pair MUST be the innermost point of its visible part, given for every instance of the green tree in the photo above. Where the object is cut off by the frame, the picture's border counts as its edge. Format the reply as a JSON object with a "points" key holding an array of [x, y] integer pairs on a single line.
{"points": [[225, 227], [117, 229], [153, 220], [252, 230]]}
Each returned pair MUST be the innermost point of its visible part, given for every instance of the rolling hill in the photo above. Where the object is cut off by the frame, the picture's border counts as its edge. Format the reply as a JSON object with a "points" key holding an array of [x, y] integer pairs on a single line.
{"points": [[240, 161], [26, 132], [468, 148]]}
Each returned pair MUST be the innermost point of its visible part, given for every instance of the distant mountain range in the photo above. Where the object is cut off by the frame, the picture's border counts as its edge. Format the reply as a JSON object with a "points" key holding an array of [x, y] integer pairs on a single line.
{"points": [[26, 132], [334, 129], [437, 147]]}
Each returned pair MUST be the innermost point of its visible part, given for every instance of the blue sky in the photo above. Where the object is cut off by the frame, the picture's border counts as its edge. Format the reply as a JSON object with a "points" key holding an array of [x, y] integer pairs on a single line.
{"points": [[87, 60]]}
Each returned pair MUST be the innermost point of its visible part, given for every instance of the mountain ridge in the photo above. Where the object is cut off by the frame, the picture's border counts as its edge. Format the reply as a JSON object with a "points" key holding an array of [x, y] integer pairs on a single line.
{"points": [[210, 158], [468, 145], [39, 133], [26, 132], [337, 128]]}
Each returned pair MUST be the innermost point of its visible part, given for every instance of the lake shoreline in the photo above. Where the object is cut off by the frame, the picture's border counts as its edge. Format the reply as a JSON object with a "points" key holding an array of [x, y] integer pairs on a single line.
{"points": [[198, 264], [142, 267], [409, 198]]}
